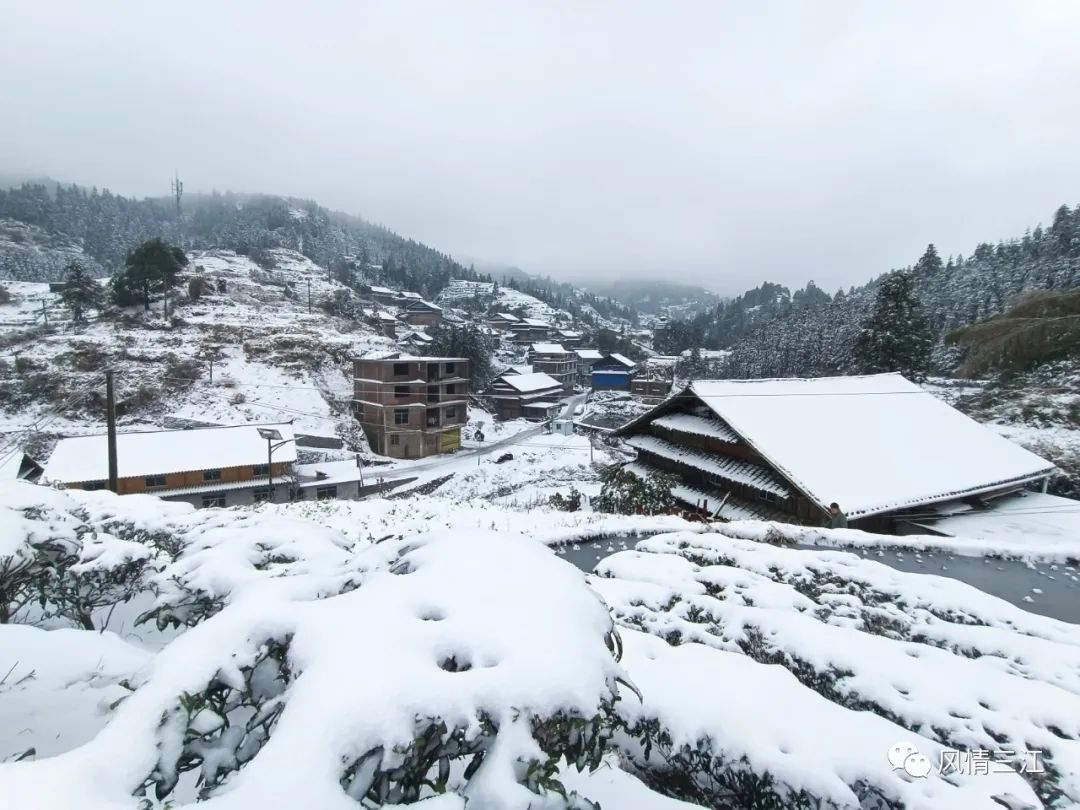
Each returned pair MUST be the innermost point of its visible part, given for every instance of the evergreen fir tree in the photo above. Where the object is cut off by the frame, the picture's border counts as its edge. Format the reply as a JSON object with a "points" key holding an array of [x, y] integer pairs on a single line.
{"points": [[150, 268], [81, 292], [896, 335]]}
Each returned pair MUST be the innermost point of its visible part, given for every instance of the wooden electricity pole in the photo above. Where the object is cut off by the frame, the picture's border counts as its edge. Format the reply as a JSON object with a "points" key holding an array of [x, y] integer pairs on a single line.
{"points": [[110, 417]]}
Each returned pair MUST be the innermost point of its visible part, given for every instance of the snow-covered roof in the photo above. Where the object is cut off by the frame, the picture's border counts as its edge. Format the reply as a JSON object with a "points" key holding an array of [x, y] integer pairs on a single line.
{"points": [[414, 295], [536, 322], [505, 316], [698, 425], [542, 405], [588, 354], [85, 458], [724, 467], [621, 358], [382, 291], [873, 444], [548, 348], [536, 381], [1026, 516]]}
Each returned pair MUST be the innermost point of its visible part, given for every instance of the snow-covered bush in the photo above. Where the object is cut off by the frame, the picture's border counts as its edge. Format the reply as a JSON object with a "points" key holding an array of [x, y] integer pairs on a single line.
{"points": [[861, 654], [625, 493], [311, 669]]}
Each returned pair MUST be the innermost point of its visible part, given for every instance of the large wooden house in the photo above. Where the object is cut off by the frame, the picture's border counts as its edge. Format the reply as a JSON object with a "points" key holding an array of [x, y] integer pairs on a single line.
{"points": [[533, 395], [880, 446]]}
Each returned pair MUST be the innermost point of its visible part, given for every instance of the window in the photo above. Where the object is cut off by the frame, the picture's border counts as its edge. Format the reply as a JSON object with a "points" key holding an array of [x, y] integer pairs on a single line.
{"points": [[451, 368], [213, 500], [401, 416], [260, 469], [211, 475], [768, 497], [433, 419], [401, 369], [451, 411], [261, 495], [401, 391], [155, 481], [451, 388], [92, 485], [395, 440], [325, 493]]}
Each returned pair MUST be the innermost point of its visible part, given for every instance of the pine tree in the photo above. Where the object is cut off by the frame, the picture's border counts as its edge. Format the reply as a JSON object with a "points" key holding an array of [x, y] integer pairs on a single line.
{"points": [[150, 268], [896, 335], [81, 292]]}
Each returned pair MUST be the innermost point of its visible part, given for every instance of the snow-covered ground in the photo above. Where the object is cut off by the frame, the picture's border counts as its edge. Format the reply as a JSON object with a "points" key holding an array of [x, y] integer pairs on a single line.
{"points": [[326, 634], [249, 349]]}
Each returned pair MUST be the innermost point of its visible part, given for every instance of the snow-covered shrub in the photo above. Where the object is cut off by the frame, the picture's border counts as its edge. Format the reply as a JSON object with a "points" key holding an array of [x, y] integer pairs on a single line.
{"points": [[625, 493], [38, 540], [383, 673], [850, 647], [571, 502]]}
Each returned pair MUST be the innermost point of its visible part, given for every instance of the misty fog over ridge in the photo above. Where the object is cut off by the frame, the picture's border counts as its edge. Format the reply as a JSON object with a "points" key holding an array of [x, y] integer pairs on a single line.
{"points": [[717, 146]]}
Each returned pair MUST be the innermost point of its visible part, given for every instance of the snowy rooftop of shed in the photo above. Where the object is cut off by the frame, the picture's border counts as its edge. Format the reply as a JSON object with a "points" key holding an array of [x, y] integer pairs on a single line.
{"points": [[537, 381], [589, 354], [873, 444], [549, 348], [85, 458], [621, 358]]}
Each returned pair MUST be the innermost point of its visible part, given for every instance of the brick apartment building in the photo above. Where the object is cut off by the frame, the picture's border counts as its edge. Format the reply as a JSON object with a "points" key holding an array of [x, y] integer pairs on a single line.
{"points": [[410, 407]]}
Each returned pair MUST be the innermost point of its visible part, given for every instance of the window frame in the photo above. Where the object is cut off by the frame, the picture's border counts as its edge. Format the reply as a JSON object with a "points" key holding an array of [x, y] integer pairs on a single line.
{"points": [[395, 440], [154, 481], [260, 495], [211, 475], [259, 470], [327, 493], [213, 500], [398, 412], [401, 391], [404, 373]]}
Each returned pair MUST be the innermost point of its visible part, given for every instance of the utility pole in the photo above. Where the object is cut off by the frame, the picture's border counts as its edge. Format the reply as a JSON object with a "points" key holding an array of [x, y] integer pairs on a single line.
{"points": [[110, 417], [177, 190]]}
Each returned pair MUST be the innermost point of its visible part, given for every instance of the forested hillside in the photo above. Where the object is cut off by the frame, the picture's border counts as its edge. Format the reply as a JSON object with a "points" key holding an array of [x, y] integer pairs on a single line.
{"points": [[776, 333], [44, 226]]}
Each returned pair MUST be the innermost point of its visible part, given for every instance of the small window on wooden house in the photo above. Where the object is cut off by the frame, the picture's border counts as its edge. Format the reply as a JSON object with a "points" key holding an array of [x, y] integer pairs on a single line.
{"points": [[260, 469], [92, 485], [155, 481], [211, 475]]}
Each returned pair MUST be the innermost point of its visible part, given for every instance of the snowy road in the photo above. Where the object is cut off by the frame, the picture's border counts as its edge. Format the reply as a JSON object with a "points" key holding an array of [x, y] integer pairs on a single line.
{"points": [[397, 473]]}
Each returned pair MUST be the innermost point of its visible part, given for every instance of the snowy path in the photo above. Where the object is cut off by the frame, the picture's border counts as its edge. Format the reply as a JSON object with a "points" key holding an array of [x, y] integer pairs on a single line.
{"points": [[397, 473]]}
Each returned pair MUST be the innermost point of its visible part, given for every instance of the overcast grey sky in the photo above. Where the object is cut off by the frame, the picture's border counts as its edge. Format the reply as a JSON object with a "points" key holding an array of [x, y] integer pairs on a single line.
{"points": [[717, 143]]}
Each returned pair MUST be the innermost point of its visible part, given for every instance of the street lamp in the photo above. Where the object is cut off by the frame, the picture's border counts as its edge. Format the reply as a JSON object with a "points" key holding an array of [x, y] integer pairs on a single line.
{"points": [[273, 442]]}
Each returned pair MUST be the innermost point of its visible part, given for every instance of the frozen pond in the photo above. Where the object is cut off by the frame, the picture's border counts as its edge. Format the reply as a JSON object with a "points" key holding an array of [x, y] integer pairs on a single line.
{"points": [[1049, 589]]}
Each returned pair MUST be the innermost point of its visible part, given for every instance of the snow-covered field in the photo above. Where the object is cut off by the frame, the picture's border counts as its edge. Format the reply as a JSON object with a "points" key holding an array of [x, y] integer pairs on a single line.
{"points": [[248, 350]]}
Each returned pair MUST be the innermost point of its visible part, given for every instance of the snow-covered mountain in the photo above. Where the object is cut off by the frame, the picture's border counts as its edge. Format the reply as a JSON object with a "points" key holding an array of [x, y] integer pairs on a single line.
{"points": [[259, 345]]}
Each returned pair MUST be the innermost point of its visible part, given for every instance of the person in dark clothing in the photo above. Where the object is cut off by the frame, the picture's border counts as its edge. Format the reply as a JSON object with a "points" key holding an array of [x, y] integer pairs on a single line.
{"points": [[837, 519]]}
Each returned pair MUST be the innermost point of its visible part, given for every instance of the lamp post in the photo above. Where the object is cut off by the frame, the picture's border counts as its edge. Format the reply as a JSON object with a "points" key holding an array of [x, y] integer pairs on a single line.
{"points": [[273, 442]]}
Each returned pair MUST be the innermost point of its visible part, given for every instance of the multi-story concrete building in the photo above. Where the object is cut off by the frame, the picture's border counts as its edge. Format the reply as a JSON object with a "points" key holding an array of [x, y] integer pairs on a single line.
{"points": [[411, 407], [552, 359]]}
